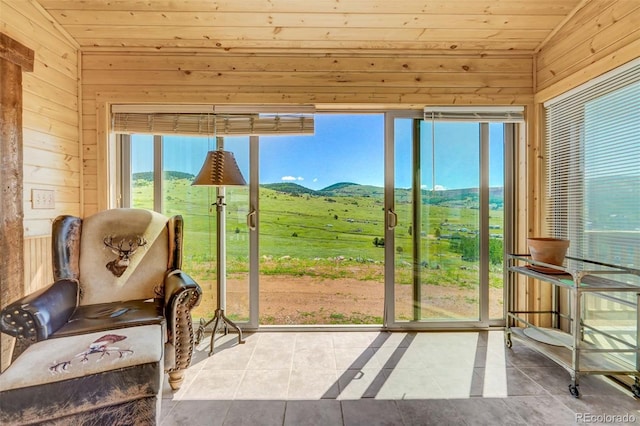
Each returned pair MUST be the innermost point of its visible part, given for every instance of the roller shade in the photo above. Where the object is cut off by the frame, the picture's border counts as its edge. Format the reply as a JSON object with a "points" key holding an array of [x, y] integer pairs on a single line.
{"points": [[197, 121], [476, 114], [593, 168]]}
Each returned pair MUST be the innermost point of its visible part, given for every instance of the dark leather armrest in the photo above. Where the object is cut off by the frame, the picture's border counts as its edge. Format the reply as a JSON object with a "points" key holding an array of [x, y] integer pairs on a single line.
{"points": [[181, 294], [38, 315], [179, 289]]}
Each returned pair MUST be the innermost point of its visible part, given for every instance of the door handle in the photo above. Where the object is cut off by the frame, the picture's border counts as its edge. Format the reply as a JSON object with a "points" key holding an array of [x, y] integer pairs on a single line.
{"points": [[392, 219], [251, 220]]}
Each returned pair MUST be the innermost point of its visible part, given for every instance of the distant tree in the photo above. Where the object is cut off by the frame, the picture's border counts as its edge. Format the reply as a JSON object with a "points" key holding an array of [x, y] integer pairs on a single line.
{"points": [[295, 234], [335, 216], [438, 233], [399, 249], [410, 231], [469, 248], [237, 231], [495, 251]]}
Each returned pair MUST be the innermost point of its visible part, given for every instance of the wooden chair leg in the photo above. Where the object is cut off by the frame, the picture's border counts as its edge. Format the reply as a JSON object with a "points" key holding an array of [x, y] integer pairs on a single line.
{"points": [[175, 379]]}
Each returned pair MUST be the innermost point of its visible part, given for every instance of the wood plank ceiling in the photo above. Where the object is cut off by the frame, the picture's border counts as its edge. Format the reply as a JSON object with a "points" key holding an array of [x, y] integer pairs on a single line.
{"points": [[399, 26]]}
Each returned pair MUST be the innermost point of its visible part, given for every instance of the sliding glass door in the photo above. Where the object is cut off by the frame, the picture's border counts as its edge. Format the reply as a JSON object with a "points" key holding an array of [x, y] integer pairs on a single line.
{"points": [[338, 244], [445, 218]]}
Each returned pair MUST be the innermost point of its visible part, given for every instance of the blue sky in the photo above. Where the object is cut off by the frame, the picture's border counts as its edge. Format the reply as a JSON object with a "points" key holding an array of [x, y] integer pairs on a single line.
{"points": [[344, 148]]}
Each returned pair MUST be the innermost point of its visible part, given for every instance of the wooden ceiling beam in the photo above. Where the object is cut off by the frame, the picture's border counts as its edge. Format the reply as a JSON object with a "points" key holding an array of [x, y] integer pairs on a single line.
{"points": [[16, 53]]}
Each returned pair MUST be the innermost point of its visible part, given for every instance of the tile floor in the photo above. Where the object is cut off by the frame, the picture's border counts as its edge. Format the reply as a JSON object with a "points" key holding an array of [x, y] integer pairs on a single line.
{"points": [[380, 378]]}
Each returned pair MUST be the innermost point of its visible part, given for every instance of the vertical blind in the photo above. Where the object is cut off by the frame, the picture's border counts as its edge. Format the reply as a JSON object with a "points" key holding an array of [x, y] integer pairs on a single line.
{"points": [[593, 168]]}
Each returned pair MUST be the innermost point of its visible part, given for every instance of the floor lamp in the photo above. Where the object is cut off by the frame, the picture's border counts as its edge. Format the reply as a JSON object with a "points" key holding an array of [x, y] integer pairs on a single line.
{"points": [[220, 169]]}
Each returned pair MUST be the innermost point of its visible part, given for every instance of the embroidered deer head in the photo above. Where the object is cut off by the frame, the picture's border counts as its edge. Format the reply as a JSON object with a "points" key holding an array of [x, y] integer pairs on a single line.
{"points": [[125, 249]]}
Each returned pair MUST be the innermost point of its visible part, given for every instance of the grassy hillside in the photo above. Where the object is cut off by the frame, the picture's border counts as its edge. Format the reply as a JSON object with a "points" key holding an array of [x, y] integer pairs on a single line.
{"points": [[342, 220], [306, 232]]}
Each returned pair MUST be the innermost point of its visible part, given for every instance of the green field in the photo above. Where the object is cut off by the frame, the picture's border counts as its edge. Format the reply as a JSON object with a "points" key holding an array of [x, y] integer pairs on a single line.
{"points": [[331, 234]]}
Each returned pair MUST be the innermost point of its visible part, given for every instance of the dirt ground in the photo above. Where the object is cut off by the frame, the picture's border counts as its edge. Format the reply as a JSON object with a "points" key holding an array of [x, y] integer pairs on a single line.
{"points": [[295, 300]]}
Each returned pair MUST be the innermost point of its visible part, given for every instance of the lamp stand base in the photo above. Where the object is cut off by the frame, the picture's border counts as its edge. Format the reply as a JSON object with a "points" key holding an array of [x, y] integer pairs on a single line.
{"points": [[219, 320]]}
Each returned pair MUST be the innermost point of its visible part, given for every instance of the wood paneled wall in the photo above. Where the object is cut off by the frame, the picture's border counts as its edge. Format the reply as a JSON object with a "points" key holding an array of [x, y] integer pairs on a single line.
{"points": [[50, 113], [38, 269], [51, 145], [327, 81], [601, 36]]}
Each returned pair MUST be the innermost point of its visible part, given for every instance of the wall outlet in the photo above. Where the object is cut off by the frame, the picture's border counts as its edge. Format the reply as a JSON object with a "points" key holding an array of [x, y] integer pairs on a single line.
{"points": [[43, 199]]}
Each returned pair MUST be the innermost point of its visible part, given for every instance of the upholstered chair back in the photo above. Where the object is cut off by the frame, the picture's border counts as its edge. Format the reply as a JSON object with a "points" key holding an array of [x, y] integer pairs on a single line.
{"points": [[117, 254]]}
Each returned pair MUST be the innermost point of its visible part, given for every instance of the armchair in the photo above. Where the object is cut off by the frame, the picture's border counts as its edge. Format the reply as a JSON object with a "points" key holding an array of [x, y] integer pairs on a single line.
{"points": [[116, 269]]}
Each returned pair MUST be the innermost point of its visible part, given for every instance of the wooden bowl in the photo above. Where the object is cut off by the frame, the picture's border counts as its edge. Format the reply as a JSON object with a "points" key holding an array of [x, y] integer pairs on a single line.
{"points": [[548, 250]]}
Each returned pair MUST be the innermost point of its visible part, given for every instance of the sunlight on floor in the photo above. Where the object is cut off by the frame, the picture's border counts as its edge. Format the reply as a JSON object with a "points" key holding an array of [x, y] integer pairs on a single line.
{"points": [[495, 372], [354, 378], [351, 365]]}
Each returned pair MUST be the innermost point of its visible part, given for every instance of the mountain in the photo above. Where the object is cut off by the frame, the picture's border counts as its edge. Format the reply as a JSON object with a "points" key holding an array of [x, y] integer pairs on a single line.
{"points": [[169, 175], [346, 189], [289, 188], [350, 189], [338, 186]]}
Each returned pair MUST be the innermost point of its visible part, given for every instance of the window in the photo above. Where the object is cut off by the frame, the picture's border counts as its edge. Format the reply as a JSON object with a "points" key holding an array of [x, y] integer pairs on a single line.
{"points": [[593, 168], [593, 189], [319, 205]]}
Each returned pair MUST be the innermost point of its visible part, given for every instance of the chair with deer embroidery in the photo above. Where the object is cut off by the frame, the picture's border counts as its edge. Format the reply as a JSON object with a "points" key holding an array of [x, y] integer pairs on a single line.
{"points": [[117, 283]]}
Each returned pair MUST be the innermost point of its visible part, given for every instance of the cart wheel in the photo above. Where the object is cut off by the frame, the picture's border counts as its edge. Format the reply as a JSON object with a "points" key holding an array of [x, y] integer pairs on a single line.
{"points": [[573, 390], [635, 388], [507, 341]]}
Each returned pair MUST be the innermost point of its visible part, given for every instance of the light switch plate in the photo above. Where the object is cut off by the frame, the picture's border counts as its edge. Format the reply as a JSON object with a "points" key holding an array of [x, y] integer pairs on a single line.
{"points": [[43, 199]]}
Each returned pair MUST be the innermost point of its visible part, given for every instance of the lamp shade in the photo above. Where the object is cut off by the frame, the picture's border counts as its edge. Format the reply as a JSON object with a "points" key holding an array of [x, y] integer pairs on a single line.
{"points": [[219, 169]]}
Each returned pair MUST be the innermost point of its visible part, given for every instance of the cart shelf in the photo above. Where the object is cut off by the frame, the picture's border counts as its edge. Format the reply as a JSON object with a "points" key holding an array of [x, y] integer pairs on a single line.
{"points": [[570, 349]]}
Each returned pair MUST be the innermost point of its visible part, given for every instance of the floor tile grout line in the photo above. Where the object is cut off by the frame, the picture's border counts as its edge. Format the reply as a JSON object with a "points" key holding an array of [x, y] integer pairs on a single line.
{"points": [[532, 379], [557, 398]]}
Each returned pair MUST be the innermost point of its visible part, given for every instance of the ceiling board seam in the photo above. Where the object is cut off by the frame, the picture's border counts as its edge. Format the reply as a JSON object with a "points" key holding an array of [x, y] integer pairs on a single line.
{"points": [[562, 23], [56, 24], [279, 52]]}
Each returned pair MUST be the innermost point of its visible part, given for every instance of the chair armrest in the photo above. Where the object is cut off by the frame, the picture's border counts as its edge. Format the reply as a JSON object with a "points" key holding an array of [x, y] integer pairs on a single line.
{"points": [[38, 315], [181, 295]]}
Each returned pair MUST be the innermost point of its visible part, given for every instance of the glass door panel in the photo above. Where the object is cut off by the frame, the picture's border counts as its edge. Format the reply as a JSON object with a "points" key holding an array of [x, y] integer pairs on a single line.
{"points": [[497, 235], [142, 173], [237, 209], [182, 158], [321, 224], [437, 236]]}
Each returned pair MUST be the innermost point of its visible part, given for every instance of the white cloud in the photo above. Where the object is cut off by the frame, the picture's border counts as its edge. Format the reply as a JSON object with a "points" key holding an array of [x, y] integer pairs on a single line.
{"points": [[437, 188], [291, 178], [315, 179]]}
